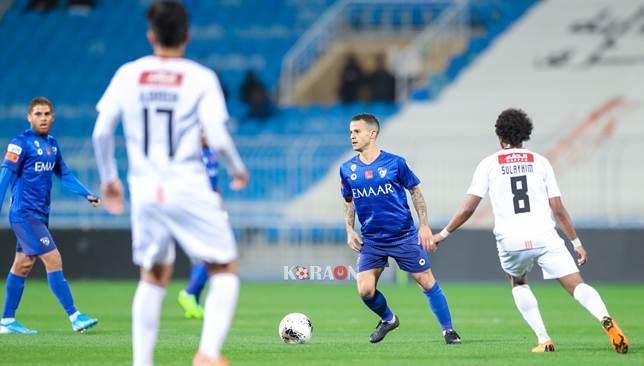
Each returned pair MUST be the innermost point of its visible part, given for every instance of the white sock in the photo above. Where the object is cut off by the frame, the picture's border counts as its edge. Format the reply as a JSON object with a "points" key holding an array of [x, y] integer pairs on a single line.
{"points": [[219, 309], [6, 321], [74, 316], [589, 298], [529, 308], [146, 312]]}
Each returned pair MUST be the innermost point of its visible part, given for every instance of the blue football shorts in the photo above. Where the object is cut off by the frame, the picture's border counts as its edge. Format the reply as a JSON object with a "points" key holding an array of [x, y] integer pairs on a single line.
{"points": [[410, 256], [33, 237]]}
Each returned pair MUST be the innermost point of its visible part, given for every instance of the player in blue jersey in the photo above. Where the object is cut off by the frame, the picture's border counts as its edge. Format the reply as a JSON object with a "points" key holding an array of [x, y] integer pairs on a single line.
{"points": [[373, 185], [189, 297], [31, 160]]}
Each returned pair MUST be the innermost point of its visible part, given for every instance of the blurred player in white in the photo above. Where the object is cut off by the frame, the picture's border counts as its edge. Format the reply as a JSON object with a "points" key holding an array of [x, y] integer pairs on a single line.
{"points": [[524, 196], [164, 100]]}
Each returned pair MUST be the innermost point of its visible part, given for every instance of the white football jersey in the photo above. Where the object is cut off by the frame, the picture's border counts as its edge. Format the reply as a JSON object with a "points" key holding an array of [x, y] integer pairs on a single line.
{"points": [[520, 183]]}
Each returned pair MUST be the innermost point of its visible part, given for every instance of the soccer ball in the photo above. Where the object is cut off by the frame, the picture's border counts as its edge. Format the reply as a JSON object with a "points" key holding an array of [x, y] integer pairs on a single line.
{"points": [[295, 328]]}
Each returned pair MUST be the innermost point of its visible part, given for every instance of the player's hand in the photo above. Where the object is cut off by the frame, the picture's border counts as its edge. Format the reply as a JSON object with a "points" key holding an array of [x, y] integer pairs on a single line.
{"points": [[112, 193], [437, 239], [239, 182], [425, 238], [95, 201], [354, 241], [583, 256]]}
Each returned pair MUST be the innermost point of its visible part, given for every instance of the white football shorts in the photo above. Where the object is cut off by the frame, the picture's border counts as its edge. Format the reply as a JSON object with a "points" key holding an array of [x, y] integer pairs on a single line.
{"points": [[194, 219], [554, 259]]}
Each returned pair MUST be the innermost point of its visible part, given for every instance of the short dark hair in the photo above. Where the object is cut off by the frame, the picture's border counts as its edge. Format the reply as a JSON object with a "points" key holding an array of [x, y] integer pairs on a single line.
{"points": [[40, 101], [513, 126], [369, 118], [168, 20]]}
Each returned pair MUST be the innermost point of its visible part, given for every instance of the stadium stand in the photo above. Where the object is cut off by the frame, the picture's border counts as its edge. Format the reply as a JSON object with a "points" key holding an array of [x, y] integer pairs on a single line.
{"points": [[286, 154], [579, 80]]}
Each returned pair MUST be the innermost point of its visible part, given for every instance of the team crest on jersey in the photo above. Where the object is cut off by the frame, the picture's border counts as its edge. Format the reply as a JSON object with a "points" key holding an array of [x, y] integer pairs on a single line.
{"points": [[353, 167], [36, 143], [44, 240], [354, 176], [368, 174], [382, 172], [516, 158], [164, 78], [55, 149]]}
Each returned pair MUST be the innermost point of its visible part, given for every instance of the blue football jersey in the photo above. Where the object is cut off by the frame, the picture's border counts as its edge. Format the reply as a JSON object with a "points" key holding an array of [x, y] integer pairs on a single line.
{"points": [[378, 193], [35, 159], [212, 167]]}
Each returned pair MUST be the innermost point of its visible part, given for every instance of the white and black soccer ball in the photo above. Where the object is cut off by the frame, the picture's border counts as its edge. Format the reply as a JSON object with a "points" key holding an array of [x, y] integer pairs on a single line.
{"points": [[295, 328]]}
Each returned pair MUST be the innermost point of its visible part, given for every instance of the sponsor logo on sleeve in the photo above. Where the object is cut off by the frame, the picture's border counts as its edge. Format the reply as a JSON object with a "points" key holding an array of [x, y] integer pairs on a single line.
{"points": [[14, 149]]}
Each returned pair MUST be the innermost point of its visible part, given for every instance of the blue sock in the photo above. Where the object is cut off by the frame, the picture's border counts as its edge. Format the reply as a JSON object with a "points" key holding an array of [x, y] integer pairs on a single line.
{"points": [[198, 279], [60, 288], [378, 304], [14, 287], [438, 304]]}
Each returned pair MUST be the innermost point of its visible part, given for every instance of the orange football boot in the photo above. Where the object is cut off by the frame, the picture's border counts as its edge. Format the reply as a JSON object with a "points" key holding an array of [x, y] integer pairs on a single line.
{"points": [[617, 338], [547, 346], [203, 360]]}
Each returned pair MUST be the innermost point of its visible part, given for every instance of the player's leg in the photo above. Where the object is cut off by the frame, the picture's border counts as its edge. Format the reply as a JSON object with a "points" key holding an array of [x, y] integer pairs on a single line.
{"points": [[528, 306], [219, 309], [517, 264], [413, 259], [60, 287], [189, 297], [367, 281], [14, 287], [558, 263], [146, 310], [202, 229]]}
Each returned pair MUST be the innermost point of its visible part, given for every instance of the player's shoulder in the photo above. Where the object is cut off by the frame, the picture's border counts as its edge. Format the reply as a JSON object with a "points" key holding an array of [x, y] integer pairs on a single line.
{"points": [[391, 156]]}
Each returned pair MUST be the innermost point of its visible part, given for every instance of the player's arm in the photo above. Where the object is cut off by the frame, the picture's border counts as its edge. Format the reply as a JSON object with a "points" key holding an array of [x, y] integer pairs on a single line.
{"points": [[460, 217], [7, 177], [109, 114], [13, 163], [424, 232], [353, 239], [565, 223], [213, 113], [70, 182]]}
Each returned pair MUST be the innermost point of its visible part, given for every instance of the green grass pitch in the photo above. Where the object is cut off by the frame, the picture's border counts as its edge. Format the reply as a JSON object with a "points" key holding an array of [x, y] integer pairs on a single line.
{"points": [[493, 331]]}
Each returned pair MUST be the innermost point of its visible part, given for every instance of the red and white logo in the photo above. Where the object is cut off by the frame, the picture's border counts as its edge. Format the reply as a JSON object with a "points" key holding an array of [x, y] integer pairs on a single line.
{"points": [[368, 174], [164, 78], [516, 158], [302, 273]]}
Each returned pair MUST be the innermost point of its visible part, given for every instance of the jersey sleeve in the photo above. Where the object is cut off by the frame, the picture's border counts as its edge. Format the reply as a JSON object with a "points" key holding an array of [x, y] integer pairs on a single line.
{"points": [[109, 102], [480, 181], [345, 188], [15, 155], [551, 181], [407, 178]]}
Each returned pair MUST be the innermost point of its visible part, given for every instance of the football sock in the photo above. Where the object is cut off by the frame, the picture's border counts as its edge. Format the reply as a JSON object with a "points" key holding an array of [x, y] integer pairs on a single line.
{"points": [[146, 312], [219, 310], [378, 304], [439, 306], [589, 298], [198, 279], [13, 292], [59, 286], [529, 308]]}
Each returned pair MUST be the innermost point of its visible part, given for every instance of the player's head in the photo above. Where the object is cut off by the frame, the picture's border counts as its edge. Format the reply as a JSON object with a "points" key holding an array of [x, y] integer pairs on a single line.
{"points": [[167, 24], [40, 115], [513, 127], [364, 129]]}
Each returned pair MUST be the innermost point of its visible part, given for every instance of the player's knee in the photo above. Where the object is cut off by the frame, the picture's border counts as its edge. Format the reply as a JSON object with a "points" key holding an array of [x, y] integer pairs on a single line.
{"points": [[366, 292]]}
